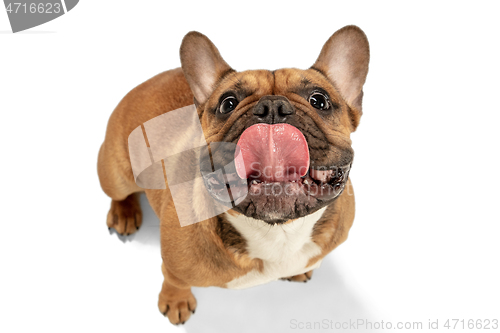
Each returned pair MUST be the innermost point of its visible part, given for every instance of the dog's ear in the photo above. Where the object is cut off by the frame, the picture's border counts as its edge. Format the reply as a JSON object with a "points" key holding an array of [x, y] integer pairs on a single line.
{"points": [[344, 60], [202, 65]]}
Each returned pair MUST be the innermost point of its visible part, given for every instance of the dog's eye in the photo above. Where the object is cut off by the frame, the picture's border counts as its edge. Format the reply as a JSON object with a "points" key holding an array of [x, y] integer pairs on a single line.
{"points": [[319, 101], [228, 104]]}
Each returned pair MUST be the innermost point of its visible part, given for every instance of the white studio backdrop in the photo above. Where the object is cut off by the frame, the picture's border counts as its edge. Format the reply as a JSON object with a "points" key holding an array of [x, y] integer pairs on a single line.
{"points": [[424, 245]]}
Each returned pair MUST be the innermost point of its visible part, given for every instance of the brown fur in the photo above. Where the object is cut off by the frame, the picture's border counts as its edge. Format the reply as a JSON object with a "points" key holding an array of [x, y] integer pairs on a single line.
{"points": [[212, 252]]}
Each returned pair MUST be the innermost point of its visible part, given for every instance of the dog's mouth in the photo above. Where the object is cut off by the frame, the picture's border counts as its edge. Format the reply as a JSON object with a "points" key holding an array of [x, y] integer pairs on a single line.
{"points": [[271, 178], [320, 184]]}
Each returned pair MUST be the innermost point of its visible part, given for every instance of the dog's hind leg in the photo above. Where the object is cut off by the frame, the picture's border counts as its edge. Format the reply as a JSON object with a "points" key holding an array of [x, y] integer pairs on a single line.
{"points": [[300, 278], [117, 181]]}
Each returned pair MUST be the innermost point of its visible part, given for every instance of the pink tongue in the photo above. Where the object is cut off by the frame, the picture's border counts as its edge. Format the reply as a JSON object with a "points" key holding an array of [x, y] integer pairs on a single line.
{"points": [[272, 153]]}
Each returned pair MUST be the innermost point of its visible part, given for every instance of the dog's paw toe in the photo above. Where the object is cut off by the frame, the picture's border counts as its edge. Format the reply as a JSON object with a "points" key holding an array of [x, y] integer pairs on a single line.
{"points": [[125, 216], [300, 277], [178, 311]]}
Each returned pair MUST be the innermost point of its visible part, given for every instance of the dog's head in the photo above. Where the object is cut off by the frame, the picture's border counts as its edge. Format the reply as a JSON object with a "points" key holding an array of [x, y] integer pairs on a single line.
{"points": [[292, 127]]}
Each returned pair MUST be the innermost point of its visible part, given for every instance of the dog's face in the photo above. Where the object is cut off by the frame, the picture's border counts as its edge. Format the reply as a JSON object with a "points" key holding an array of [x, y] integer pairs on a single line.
{"points": [[292, 127]]}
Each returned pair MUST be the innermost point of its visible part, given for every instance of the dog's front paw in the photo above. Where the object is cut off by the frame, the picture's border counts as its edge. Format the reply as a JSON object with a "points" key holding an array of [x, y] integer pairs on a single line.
{"points": [[300, 277], [178, 306], [125, 216]]}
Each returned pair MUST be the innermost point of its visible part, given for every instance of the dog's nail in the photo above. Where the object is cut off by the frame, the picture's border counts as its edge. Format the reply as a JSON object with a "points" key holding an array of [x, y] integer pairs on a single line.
{"points": [[306, 182], [192, 311], [254, 182], [183, 322]]}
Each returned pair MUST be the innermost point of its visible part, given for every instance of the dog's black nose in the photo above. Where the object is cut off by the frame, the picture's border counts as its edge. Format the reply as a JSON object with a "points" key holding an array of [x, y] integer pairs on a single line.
{"points": [[273, 109]]}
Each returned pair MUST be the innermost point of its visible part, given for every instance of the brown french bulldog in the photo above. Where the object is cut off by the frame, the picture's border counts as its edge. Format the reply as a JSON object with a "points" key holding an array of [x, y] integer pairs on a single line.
{"points": [[287, 119]]}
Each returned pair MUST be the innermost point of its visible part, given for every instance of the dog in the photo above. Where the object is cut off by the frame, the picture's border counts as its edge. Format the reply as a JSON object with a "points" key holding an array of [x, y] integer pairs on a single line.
{"points": [[287, 119]]}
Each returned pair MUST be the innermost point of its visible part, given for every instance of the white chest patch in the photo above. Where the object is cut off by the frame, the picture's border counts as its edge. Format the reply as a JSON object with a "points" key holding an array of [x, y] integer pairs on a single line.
{"points": [[284, 249]]}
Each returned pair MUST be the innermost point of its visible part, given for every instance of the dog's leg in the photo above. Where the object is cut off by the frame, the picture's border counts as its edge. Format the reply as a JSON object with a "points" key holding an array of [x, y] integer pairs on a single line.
{"points": [[176, 300], [117, 181], [125, 216], [300, 278]]}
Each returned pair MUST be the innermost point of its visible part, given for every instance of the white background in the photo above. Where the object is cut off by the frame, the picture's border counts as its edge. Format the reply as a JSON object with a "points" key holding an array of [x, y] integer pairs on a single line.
{"points": [[425, 242]]}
